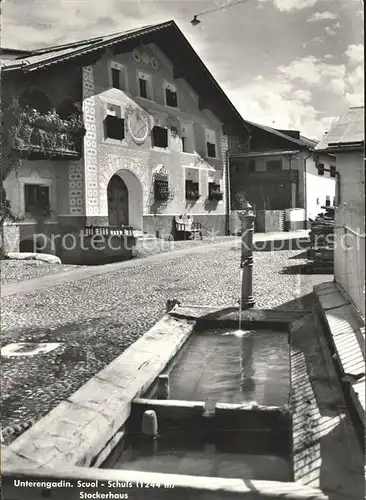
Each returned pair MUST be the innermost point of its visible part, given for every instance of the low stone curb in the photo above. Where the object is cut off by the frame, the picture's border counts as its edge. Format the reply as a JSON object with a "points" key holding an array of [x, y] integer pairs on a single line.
{"points": [[44, 257], [343, 327], [326, 452]]}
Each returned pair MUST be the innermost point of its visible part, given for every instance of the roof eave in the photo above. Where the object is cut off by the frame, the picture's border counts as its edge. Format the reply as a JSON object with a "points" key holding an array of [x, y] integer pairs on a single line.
{"points": [[85, 50], [342, 147], [258, 154], [275, 132]]}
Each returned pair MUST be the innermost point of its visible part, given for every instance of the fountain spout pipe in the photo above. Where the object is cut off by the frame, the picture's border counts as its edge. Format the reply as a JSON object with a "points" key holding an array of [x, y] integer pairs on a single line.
{"points": [[247, 218]]}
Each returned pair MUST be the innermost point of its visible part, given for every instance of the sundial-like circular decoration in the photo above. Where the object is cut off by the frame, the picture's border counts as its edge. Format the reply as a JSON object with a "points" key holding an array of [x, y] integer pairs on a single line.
{"points": [[136, 55], [138, 125]]}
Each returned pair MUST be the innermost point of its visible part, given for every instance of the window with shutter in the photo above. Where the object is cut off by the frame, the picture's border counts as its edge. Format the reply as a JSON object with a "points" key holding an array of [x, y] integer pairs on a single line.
{"points": [[160, 137], [115, 127]]}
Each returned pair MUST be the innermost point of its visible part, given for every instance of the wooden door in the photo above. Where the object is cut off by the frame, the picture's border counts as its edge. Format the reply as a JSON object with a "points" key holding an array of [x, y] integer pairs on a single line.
{"points": [[117, 202]]}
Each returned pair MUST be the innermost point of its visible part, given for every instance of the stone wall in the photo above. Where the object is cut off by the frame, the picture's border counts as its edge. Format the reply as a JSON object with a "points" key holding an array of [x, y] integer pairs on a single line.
{"points": [[269, 221]]}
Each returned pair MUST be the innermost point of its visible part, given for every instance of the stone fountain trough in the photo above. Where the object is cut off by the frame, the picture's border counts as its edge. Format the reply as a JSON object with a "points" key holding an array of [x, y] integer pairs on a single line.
{"points": [[92, 442]]}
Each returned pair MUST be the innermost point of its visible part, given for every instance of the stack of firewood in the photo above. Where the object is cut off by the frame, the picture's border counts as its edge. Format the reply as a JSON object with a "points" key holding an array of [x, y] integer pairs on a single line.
{"points": [[321, 252]]}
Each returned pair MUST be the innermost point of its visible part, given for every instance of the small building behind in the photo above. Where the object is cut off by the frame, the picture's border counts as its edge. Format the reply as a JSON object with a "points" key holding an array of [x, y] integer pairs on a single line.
{"points": [[277, 171]]}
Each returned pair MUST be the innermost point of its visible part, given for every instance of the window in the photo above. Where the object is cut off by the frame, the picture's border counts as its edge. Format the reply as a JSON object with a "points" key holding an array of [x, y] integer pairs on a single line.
{"points": [[143, 88], [35, 99], [145, 85], [211, 143], [214, 191], [36, 197], [251, 166], [160, 137], [118, 76], [274, 165], [187, 138], [171, 97], [327, 201], [115, 78], [114, 123], [192, 190], [115, 127], [211, 150], [161, 189]]}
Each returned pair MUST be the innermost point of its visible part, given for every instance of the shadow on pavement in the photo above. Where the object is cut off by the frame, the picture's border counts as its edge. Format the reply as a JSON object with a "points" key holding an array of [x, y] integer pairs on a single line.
{"points": [[302, 255]]}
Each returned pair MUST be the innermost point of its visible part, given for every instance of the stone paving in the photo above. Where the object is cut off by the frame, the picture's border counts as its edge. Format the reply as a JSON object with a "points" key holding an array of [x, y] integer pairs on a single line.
{"points": [[97, 318], [13, 271]]}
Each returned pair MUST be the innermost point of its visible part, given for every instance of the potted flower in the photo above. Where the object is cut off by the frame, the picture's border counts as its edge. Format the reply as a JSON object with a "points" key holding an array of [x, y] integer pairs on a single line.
{"points": [[193, 195], [215, 193]]}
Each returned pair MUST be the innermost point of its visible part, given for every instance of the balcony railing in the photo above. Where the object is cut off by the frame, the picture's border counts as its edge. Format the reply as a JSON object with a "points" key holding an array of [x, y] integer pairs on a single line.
{"points": [[48, 134]]}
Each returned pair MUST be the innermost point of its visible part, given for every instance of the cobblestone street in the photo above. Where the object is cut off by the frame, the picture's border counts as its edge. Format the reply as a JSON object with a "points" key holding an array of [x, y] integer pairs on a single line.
{"points": [[96, 319]]}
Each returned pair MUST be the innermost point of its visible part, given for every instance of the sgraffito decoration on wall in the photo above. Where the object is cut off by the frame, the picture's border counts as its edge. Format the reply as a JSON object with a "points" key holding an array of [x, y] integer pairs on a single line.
{"points": [[141, 56], [90, 143], [139, 123], [224, 148], [161, 190], [76, 188]]}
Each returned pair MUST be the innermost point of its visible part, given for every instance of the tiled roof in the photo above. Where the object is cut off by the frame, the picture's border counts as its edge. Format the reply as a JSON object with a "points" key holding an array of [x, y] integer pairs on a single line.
{"points": [[303, 141], [199, 77], [50, 55], [347, 131]]}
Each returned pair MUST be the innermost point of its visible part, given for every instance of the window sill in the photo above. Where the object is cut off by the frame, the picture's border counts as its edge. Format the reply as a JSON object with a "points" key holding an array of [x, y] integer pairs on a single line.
{"points": [[190, 154], [160, 150], [147, 99], [115, 142], [172, 107], [125, 91]]}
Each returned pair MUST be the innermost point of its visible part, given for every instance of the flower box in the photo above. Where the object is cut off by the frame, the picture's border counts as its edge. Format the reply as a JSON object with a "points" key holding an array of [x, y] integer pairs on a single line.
{"points": [[216, 196], [192, 195]]}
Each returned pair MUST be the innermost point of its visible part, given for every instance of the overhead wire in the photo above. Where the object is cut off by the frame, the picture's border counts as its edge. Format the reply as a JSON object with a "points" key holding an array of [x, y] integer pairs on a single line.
{"points": [[215, 9]]}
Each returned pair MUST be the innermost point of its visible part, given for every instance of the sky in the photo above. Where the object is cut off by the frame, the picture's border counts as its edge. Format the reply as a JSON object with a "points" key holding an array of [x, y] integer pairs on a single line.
{"points": [[290, 64]]}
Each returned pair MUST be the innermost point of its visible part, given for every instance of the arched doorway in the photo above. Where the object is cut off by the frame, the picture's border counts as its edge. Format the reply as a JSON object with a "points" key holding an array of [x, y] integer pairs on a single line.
{"points": [[117, 193]]}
